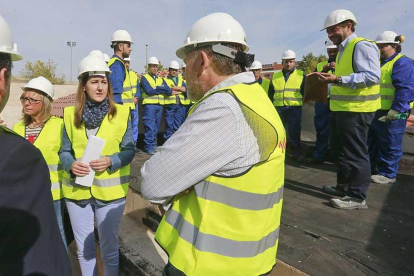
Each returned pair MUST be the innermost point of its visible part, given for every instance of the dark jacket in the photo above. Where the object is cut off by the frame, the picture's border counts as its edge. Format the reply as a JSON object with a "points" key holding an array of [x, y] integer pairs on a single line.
{"points": [[30, 241]]}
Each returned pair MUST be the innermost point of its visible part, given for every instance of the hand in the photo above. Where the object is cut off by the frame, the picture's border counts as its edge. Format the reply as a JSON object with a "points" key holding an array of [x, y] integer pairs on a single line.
{"points": [[332, 65], [175, 92], [100, 164], [327, 78], [135, 100], [79, 168], [392, 115]]}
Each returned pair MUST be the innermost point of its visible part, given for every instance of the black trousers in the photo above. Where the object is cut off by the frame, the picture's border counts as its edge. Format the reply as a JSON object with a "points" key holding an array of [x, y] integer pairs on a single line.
{"points": [[170, 270], [349, 136]]}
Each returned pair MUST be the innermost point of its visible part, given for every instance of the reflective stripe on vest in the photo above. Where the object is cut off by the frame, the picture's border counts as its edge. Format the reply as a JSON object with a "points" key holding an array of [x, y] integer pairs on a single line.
{"points": [[106, 186], [126, 87], [366, 99], [287, 93], [49, 143], [227, 221], [134, 82], [154, 99], [387, 90], [173, 99], [265, 84]]}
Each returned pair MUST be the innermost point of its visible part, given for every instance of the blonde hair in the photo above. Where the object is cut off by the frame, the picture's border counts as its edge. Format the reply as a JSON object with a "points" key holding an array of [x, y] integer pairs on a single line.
{"points": [[81, 100], [45, 112]]}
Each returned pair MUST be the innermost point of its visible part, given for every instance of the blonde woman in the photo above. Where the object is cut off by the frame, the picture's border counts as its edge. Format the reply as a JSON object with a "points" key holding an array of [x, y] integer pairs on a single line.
{"points": [[95, 113], [44, 131]]}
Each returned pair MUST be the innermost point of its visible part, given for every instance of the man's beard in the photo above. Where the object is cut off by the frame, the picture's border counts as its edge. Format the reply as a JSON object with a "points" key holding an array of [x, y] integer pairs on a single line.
{"points": [[195, 89]]}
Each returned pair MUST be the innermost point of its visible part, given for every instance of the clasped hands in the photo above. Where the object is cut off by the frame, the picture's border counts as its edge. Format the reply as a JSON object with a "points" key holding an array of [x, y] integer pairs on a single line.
{"points": [[81, 169]]}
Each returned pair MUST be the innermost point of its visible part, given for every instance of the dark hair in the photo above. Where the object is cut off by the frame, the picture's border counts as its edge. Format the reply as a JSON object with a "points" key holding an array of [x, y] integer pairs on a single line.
{"points": [[6, 62], [398, 48], [115, 45], [81, 100]]}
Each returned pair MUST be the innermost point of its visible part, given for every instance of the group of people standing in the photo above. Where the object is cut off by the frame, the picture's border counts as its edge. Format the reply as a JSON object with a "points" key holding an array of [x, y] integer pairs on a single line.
{"points": [[217, 222], [370, 96], [157, 93]]}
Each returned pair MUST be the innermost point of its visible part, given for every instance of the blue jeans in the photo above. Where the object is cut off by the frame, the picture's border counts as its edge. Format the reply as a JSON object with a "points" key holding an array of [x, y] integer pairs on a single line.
{"points": [[172, 115], [59, 209], [134, 123]]}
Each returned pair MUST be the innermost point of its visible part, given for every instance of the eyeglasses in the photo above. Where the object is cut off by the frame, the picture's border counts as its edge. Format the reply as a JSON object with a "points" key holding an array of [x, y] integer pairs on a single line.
{"points": [[30, 100]]}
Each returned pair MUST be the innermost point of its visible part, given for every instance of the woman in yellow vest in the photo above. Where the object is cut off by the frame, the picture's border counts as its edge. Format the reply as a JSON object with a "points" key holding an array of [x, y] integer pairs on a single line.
{"points": [[96, 114], [385, 136], [44, 131]]}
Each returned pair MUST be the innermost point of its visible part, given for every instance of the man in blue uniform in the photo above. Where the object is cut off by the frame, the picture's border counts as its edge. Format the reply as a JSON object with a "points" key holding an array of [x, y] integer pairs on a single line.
{"points": [[121, 43], [397, 92]]}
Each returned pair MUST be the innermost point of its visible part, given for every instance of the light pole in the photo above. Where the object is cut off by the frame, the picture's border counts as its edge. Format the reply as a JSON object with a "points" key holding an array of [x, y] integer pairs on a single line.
{"points": [[146, 55], [71, 44]]}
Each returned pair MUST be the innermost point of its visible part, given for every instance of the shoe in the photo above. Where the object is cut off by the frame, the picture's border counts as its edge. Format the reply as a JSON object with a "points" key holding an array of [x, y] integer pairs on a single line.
{"points": [[150, 151], [331, 190], [348, 203], [314, 161], [380, 179], [297, 158]]}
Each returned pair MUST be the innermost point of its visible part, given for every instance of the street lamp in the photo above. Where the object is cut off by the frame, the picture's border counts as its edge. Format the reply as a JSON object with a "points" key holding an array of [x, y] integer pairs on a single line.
{"points": [[71, 44], [146, 55]]}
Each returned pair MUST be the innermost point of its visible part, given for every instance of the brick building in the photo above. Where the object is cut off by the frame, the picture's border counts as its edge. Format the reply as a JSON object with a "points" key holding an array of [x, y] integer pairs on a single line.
{"points": [[269, 69]]}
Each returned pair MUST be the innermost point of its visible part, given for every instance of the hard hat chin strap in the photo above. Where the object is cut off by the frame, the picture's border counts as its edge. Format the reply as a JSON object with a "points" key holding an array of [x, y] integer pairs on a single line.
{"points": [[240, 57]]}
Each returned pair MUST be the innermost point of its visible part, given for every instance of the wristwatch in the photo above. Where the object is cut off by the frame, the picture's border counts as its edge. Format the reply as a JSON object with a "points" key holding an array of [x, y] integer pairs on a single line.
{"points": [[338, 80]]}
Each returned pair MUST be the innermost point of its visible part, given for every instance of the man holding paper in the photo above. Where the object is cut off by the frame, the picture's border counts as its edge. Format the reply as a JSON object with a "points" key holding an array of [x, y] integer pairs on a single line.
{"points": [[97, 148]]}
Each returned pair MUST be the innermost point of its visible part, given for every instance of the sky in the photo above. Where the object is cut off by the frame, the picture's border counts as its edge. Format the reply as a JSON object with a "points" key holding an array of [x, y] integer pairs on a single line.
{"points": [[42, 28]]}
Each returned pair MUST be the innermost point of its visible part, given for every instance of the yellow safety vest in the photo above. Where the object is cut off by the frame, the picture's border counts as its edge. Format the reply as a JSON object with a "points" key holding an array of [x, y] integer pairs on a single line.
{"points": [[154, 99], [387, 90], [134, 84], [173, 99], [49, 143], [320, 65], [230, 225], [287, 93], [186, 100], [106, 186], [265, 84], [366, 99], [127, 95]]}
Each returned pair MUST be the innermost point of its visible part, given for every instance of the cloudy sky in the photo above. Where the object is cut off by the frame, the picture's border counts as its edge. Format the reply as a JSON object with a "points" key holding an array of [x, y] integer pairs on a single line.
{"points": [[42, 28]]}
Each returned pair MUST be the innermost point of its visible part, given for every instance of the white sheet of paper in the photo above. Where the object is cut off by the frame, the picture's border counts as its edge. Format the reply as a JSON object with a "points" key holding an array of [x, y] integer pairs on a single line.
{"points": [[93, 151]]}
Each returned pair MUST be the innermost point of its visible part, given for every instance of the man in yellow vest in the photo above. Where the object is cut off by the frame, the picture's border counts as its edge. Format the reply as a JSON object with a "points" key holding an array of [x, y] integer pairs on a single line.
{"points": [[121, 43], [386, 132], [354, 98], [221, 174], [136, 94], [30, 240], [173, 104], [154, 89], [322, 111], [287, 93], [256, 68]]}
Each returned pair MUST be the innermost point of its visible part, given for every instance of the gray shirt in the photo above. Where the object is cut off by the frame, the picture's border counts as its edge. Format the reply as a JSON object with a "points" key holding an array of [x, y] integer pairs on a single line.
{"points": [[215, 139], [366, 63]]}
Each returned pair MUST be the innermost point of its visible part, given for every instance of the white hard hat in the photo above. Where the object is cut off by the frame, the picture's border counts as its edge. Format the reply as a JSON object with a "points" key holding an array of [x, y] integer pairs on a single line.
{"points": [[288, 54], [174, 65], [96, 66], [213, 29], [256, 65], [97, 53], [153, 60], [121, 36], [183, 65], [106, 57], [7, 44], [41, 84], [387, 37], [329, 45], [127, 59], [337, 17]]}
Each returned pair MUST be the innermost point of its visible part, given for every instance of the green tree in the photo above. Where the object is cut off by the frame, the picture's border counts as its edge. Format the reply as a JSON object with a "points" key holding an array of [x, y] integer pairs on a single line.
{"points": [[309, 61], [160, 67], [39, 68]]}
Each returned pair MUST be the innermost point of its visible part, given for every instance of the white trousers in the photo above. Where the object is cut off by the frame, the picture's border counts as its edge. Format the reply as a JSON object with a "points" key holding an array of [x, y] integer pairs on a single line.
{"points": [[108, 218]]}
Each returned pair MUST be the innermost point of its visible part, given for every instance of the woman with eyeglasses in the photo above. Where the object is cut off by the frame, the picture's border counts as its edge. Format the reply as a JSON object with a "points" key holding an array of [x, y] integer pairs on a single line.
{"points": [[44, 131], [96, 113]]}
